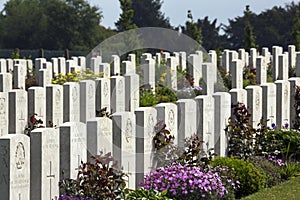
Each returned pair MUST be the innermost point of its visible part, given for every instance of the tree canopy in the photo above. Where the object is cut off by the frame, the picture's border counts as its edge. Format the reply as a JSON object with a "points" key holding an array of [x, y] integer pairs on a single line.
{"points": [[51, 24]]}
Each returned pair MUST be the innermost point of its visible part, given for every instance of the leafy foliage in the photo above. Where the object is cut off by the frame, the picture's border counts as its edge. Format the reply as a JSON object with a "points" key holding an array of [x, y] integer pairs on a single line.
{"points": [[125, 21], [142, 194], [249, 38], [75, 77], [251, 178], [191, 29], [296, 124], [147, 13], [100, 179], [241, 135]]}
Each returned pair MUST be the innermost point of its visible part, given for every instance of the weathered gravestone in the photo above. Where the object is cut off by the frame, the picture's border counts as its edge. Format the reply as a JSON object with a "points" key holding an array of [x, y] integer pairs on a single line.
{"points": [[61, 65], [124, 144], [44, 163], [15, 167], [105, 69], [5, 82], [117, 98], [145, 123], [205, 120], [115, 65], [72, 148], [87, 100], [295, 81], [71, 102], [236, 69], [282, 103], [186, 117], [276, 51], [54, 105], [99, 137], [19, 76], [261, 70], [149, 74], [18, 113], [102, 94], [132, 92], [269, 103], [3, 113], [283, 69], [208, 78], [292, 55], [37, 104], [167, 112], [254, 103], [195, 67], [222, 106]]}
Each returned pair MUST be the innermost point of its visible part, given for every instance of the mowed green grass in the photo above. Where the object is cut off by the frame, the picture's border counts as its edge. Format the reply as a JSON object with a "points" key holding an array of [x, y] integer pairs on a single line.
{"points": [[288, 190]]}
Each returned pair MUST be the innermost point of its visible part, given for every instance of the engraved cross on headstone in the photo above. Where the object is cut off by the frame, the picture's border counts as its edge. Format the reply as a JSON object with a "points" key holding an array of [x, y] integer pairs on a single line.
{"points": [[50, 176]]}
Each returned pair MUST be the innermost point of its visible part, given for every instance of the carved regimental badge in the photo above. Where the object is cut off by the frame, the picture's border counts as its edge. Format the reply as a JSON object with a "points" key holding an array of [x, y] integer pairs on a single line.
{"points": [[20, 155]]}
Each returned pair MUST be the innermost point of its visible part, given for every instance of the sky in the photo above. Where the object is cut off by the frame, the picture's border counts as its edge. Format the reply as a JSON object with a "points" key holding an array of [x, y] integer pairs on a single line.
{"points": [[176, 10]]}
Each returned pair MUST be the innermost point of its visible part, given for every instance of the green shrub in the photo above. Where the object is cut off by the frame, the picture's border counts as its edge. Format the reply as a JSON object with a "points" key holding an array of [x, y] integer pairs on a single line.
{"points": [[272, 170], [142, 194], [278, 141], [250, 177], [99, 179]]}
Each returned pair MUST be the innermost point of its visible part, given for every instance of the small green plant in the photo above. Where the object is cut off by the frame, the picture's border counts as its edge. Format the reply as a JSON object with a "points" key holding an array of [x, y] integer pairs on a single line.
{"points": [[251, 178], [100, 179], [143, 194], [240, 133]]}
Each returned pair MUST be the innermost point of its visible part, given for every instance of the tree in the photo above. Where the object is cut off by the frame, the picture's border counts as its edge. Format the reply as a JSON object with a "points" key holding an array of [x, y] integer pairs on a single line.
{"points": [[125, 21], [191, 29], [212, 40], [51, 24], [296, 30], [249, 38], [147, 13]]}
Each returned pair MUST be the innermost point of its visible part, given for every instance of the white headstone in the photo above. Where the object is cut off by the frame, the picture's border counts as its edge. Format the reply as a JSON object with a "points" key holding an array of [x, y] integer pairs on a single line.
{"points": [[282, 103], [205, 120], [18, 112], [283, 68], [44, 163], [208, 81], [242, 56], [71, 103], [253, 56], [254, 103], [225, 62], [99, 137], [3, 66], [238, 96], [37, 103], [195, 67], [269, 103], [81, 62], [182, 60], [295, 81], [3, 113], [72, 148], [292, 55], [15, 167], [45, 77], [19, 76], [54, 105], [127, 67], [87, 100], [55, 70], [237, 74], [145, 123], [10, 65], [167, 112], [276, 51], [149, 74], [261, 70], [172, 73], [115, 65], [222, 111], [5, 82], [105, 69], [102, 94], [38, 63], [132, 92], [62, 65], [117, 98], [132, 59], [124, 144], [186, 116]]}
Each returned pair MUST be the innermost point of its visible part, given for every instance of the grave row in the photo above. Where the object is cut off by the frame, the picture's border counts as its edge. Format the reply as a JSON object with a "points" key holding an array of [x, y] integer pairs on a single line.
{"points": [[32, 166]]}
